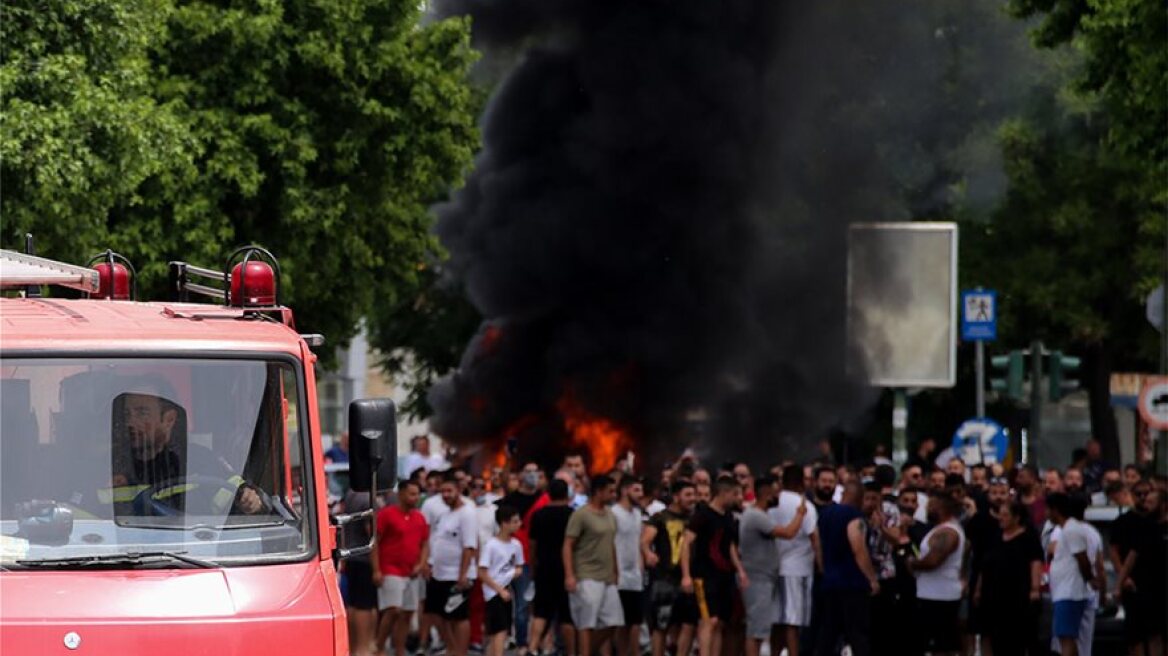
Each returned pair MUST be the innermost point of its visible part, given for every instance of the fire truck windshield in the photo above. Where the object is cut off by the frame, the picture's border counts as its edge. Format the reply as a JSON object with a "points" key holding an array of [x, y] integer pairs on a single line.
{"points": [[108, 456]]}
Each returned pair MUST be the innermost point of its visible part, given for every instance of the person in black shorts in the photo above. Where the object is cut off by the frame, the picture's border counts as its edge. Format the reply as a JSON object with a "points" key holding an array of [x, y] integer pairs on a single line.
{"points": [[709, 563], [500, 563], [546, 535], [360, 594], [661, 544]]}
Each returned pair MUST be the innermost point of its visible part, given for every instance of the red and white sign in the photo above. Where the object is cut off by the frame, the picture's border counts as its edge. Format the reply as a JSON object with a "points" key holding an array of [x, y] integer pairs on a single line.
{"points": [[1154, 402]]}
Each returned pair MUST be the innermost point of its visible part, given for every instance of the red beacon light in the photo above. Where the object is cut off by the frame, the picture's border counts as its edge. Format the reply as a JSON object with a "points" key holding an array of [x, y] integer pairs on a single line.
{"points": [[117, 280], [254, 280]]}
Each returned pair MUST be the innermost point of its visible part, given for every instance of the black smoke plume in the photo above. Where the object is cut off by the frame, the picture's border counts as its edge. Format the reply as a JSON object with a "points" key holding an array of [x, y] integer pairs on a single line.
{"points": [[657, 219]]}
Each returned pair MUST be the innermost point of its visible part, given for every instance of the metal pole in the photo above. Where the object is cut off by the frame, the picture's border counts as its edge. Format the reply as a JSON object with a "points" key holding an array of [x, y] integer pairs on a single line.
{"points": [[980, 368], [1035, 397], [899, 426], [1161, 451]]}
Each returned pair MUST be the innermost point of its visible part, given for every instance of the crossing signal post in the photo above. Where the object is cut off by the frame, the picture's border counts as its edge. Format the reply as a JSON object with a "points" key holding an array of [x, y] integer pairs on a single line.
{"points": [[1052, 368], [1010, 374], [1013, 371], [1060, 366]]}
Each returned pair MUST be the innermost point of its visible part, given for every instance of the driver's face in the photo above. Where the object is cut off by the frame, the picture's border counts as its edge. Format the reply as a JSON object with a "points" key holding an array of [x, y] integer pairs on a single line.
{"points": [[148, 425]]}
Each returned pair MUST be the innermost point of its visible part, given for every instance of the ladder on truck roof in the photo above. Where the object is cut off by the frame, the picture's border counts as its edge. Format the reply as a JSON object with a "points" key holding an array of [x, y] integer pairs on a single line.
{"points": [[21, 270]]}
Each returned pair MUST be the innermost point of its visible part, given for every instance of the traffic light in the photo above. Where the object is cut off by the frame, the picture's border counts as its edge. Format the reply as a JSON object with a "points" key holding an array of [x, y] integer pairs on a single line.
{"points": [[1059, 366], [1013, 370]]}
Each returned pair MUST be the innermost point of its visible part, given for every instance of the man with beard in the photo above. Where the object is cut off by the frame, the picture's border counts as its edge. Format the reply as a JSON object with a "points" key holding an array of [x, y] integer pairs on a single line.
{"points": [[149, 422], [757, 533], [825, 483], [908, 507], [797, 559], [849, 580], [984, 532], [822, 494], [938, 572], [630, 573], [661, 544], [710, 561], [453, 547], [590, 568], [1030, 494]]}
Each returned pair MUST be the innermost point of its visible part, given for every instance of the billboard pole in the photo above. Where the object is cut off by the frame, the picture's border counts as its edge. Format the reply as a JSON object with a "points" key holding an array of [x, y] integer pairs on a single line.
{"points": [[899, 426], [980, 369]]}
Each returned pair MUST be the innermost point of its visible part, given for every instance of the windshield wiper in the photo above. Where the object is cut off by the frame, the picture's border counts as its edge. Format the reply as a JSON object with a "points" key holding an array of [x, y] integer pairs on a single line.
{"points": [[134, 558]]}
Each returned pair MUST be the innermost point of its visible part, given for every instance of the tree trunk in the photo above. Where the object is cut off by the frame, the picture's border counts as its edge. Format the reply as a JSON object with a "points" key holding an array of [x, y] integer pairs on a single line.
{"points": [[1097, 379]]}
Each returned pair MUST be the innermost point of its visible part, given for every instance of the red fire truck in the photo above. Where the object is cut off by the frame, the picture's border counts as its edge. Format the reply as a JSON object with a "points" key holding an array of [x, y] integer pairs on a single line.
{"points": [[162, 486]]}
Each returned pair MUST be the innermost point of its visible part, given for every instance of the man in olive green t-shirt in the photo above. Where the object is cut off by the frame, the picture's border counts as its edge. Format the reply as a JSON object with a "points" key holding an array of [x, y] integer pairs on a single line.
{"points": [[590, 567]]}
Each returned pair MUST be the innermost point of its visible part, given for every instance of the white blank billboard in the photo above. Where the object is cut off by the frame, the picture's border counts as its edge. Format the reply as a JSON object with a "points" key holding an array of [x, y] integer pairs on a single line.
{"points": [[902, 303]]}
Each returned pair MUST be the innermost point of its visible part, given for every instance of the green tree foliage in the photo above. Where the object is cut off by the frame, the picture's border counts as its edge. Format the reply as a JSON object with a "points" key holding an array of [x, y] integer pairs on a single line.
{"points": [[79, 129], [1079, 238], [321, 130], [423, 335], [1124, 44]]}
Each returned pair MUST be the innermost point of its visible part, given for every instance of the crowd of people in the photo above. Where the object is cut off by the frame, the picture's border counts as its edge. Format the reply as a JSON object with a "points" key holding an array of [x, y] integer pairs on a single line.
{"points": [[932, 557]]}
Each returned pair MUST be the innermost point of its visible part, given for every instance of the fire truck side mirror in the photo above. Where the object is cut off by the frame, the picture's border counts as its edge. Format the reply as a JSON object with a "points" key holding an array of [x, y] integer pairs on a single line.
{"points": [[372, 443]]}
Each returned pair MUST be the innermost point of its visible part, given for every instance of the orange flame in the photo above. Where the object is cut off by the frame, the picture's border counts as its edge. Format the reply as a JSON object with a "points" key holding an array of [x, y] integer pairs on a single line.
{"points": [[606, 441]]}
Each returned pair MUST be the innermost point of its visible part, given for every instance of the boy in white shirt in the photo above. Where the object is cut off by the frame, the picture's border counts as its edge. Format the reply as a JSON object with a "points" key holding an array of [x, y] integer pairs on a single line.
{"points": [[1071, 575], [500, 562]]}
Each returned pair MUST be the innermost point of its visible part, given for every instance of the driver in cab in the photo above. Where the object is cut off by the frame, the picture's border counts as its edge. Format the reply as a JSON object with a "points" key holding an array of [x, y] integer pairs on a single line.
{"points": [[158, 465]]}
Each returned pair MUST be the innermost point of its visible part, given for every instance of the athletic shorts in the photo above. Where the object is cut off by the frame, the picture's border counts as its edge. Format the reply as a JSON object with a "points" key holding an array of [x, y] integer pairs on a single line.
{"points": [[361, 593], [551, 602], [498, 615], [1143, 615], [596, 605], [796, 599], [715, 597], [633, 606], [443, 600], [1068, 616], [761, 599], [398, 592], [938, 624]]}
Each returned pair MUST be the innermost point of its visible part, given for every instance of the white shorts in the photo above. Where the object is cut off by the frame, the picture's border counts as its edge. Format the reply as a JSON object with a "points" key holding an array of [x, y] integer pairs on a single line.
{"points": [[795, 601], [398, 592], [596, 605]]}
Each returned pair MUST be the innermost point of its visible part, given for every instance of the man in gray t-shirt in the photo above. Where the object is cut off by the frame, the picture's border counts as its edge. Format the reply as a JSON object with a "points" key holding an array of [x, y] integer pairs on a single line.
{"points": [[757, 533]]}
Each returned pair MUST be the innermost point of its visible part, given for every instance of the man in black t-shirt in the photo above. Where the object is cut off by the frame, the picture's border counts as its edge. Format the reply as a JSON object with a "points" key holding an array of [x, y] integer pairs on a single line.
{"points": [[983, 532], [1142, 579], [661, 544], [709, 562], [546, 533]]}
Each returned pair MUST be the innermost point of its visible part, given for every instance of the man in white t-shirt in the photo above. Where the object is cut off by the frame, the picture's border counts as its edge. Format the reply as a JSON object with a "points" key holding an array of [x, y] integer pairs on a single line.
{"points": [[1071, 573], [1095, 556], [453, 543], [421, 458], [630, 575], [797, 558]]}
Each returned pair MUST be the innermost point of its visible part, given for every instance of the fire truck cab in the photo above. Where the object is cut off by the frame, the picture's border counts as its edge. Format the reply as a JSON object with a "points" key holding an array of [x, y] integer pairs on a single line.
{"points": [[162, 487]]}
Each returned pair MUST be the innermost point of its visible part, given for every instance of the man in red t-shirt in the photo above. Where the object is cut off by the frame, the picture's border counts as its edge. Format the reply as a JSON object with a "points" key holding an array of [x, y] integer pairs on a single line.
{"points": [[402, 544]]}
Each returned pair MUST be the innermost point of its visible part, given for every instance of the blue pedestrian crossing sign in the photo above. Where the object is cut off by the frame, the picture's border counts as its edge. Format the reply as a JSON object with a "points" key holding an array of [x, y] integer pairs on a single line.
{"points": [[979, 319], [981, 441]]}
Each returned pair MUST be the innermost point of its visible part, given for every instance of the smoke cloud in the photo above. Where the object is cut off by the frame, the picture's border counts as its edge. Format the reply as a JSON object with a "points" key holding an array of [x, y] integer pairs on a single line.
{"points": [[657, 220]]}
